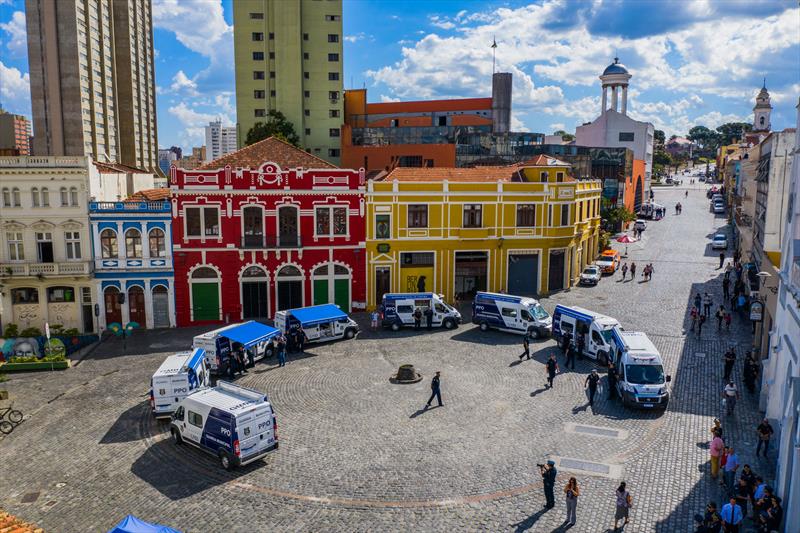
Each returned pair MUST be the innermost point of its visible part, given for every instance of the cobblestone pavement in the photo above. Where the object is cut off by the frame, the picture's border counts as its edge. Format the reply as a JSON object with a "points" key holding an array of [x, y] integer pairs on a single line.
{"points": [[357, 452]]}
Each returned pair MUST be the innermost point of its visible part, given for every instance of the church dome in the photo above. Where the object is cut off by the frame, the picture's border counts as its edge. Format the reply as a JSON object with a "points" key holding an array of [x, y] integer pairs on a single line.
{"points": [[615, 68]]}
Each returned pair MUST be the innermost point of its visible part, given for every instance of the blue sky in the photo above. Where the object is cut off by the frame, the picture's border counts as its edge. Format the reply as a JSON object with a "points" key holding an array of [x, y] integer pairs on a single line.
{"points": [[693, 61]]}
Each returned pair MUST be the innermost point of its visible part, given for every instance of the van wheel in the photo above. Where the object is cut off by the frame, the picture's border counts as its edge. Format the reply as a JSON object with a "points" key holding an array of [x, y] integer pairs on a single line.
{"points": [[395, 326], [449, 324], [176, 437], [484, 326], [533, 332], [225, 461], [349, 333]]}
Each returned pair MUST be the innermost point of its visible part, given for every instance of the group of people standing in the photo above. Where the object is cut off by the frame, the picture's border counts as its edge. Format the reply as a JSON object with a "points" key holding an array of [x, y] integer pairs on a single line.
{"points": [[647, 271]]}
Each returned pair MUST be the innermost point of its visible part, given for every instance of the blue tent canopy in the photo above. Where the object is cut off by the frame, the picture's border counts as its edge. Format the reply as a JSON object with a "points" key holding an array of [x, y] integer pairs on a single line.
{"points": [[318, 314], [250, 333], [131, 524]]}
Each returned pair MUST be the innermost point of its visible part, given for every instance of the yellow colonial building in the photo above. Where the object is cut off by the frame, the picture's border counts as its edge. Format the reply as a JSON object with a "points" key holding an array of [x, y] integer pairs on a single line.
{"points": [[526, 229]]}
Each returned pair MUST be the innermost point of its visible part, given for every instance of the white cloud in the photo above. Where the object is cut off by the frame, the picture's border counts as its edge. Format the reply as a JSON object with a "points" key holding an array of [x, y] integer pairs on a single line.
{"points": [[15, 90], [360, 36], [386, 99], [557, 126], [18, 33], [185, 17], [182, 83]]}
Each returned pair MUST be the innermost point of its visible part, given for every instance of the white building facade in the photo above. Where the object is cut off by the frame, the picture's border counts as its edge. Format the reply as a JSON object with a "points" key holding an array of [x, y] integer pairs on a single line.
{"points": [[615, 129], [220, 140], [781, 377]]}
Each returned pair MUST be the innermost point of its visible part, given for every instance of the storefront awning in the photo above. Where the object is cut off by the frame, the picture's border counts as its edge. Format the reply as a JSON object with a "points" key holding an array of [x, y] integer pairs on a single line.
{"points": [[251, 333]]}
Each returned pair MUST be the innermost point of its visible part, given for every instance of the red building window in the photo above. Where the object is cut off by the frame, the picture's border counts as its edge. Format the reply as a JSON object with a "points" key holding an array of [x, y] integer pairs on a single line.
{"points": [[331, 221], [202, 221]]}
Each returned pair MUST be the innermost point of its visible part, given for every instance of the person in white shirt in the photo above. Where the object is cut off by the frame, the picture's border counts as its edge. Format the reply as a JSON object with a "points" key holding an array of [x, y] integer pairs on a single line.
{"points": [[730, 394]]}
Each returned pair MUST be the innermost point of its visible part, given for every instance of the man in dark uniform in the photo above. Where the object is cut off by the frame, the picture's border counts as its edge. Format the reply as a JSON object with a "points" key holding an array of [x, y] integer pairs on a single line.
{"points": [[301, 338], [711, 522], [591, 383], [435, 391], [612, 380], [417, 318], [570, 356], [429, 317], [552, 368], [251, 357], [730, 361], [526, 347], [566, 341], [549, 481], [581, 343]]}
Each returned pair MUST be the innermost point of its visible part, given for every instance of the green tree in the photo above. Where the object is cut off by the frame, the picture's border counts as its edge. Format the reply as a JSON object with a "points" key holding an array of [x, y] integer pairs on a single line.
{"points": [[275, 126], [707, 139], [660, 157], [733, 130], [658, 137], [614, 217], [564, 135]]}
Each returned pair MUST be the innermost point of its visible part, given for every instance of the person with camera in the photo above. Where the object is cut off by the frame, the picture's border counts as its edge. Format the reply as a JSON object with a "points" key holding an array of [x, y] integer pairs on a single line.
{"points": [[710, 522], [549, 473], [572, 492]]}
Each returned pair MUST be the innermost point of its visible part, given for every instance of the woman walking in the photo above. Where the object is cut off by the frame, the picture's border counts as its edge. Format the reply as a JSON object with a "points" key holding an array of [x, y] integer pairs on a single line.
{"points": [[624, 503], [572, 492]]}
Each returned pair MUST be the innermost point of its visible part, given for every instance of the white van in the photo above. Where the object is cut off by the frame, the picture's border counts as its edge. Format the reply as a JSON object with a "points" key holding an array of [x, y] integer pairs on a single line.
{"points": [[398, 310], [233, 423], [640, 370], [177, 377], [252, 335], [320, 323], [595, 330], [514, 314]]}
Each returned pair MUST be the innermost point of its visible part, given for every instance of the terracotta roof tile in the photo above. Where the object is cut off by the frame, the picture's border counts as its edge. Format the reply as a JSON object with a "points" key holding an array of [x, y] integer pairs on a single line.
{"points": [[151, 195], [473, 174], [270, 149], [116, 168], [13, 524]]}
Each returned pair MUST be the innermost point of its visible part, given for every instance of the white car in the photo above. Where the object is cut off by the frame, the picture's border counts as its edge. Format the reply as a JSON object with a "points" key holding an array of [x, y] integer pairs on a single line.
{"points": [[591, 275], [640, 224], [719, 207], [719, 242]]}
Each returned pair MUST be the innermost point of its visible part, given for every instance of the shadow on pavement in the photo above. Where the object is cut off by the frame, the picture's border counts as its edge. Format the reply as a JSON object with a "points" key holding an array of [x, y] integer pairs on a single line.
{"points": [[126, 427], [529, 522], [474, 335]]}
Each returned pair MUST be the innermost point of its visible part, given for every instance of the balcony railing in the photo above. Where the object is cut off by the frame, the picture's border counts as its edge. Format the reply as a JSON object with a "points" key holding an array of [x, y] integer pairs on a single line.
{"points": [[262, 242], [75, 268], [141, 207]]}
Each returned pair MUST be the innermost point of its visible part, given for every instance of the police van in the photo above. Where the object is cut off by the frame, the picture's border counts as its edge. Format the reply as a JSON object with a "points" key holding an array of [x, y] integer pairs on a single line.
{"points": [[218, 344], [514, 314], [594, 329], [235, 424], [640, 378], [320, 323], [177, 377], [398, 310]]}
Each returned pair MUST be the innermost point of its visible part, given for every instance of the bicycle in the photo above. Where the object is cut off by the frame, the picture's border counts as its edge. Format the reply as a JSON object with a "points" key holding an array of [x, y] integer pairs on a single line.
{"points": [[14, 419]]}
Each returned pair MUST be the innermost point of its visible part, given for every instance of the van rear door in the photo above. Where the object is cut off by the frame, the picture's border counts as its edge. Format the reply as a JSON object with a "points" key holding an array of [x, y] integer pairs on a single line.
{"points": [[256, 431]]}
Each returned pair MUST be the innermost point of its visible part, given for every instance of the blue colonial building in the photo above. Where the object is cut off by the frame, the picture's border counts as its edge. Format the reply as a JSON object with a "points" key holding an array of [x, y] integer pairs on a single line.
{"points": [[132, 248]]}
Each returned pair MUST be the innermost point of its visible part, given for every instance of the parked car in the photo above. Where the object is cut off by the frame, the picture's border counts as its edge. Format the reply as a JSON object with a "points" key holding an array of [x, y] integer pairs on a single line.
{"points": [[719, 207], [608, 261], [591, 275], [640, 225], [719, 242]]}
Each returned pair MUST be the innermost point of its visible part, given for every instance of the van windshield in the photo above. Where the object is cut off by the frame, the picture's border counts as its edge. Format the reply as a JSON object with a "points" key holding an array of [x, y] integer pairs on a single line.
{"points": [[607, 335], [644, 374], [538, 312]]}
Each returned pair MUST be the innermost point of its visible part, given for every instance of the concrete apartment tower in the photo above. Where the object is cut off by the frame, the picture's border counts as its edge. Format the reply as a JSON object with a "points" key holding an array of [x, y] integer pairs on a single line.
{"points": [[289, 59], [93, 80], [220, 140]]}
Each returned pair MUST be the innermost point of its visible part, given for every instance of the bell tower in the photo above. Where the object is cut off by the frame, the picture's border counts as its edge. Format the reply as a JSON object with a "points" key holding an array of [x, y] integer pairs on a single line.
{"points": [[762, 110]]}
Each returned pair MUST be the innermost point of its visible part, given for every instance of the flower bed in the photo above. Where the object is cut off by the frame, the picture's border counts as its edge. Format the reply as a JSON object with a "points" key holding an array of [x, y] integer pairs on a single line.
{"points": [[35, 366]]}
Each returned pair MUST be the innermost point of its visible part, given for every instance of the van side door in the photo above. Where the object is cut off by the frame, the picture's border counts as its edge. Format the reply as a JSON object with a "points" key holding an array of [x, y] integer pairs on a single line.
{"points": [[192, 428], [510, 316], [596, 342], [439, 312]]}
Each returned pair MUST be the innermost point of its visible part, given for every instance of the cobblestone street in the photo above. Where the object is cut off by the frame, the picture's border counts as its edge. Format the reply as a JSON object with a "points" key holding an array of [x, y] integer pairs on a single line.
{"points": [[357, 453]]}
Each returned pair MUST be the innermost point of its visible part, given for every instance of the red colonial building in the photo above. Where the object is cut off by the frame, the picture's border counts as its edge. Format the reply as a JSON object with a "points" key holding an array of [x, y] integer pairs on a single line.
{"points": [[266, 228]]}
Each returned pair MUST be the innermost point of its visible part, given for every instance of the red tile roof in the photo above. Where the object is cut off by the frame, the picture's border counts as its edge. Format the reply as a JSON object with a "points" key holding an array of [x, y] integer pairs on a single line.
{"points": [[151, 195], [117, 168], [270, 149], [473, 174], [13, 524]]}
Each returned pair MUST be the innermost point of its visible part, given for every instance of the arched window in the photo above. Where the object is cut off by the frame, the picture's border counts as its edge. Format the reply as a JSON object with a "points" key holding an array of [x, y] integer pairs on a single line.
{"points": [[15, 197], [204, 273], [289, 271], [108, 244], [133, 243], [254, 272], [64, 197], [6, 197], [158, 247], [73, 196], [45, 197], [35, 196]]}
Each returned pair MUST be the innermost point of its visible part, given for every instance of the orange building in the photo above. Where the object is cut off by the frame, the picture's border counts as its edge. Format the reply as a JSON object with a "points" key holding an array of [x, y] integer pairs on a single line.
{"points": [[382, 136]]}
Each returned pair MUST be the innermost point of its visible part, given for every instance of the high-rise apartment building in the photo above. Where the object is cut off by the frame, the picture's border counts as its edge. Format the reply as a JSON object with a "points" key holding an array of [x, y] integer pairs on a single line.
{"points": [[15, 132], [289, 59], [93, 79], [220, 140]]}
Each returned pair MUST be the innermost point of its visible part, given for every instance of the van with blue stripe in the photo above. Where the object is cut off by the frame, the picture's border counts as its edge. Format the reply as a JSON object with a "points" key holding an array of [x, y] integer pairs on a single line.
{"points": [[235, 424], [398, 310], [594, 329], [514, 314], [641, 381], [177, 377]]}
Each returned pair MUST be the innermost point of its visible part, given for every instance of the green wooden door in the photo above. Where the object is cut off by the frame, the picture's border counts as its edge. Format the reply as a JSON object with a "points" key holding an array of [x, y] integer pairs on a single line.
{"points": [[341, 293], [320, 291], [205, 301]]}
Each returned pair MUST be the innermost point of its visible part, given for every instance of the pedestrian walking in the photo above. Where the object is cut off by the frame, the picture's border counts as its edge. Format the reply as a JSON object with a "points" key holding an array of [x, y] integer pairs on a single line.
{"points": [[701, 320], [728, 270], [436, 390], [549, 474], [591, 383], [570, 357], [694, 313], [720, 314], [765, 432], [417, 318], [750, 373], [301, 339], [698, 301], [732, 516], [742, 493], [715, 451], [730, 395], [429, 318], [728, 318], [580, 346], [731, 466], [633, 270], [710, 522], [374, 316], [624, 271], [526, 347], [650, 271], [552, 368], [251, 357], [726, 288], [611, 380], [730, 360], [281, 351], [624, 502], [571, 491], [721, 260], [716, 428], [707, 302]]}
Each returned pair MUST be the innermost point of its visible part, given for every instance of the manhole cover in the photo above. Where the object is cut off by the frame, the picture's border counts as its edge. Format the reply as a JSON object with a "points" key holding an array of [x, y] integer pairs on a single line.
{"points": [[30, 497], [700, 354], [60, 484], [597, 431], [585, 465]]}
